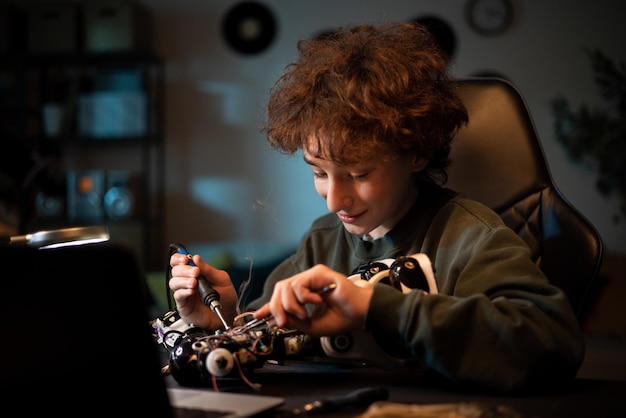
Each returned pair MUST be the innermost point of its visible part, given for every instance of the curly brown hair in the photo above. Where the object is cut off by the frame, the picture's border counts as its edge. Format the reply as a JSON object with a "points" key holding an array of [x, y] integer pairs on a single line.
{"points": [[367, 92]]}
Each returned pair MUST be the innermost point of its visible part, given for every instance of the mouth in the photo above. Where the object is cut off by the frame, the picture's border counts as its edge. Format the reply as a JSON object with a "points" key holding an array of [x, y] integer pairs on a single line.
{"points": [[349, 219]]}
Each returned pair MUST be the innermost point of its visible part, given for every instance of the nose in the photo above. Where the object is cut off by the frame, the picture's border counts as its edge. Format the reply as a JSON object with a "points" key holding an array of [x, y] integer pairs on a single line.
{"points": [[338, 195]]}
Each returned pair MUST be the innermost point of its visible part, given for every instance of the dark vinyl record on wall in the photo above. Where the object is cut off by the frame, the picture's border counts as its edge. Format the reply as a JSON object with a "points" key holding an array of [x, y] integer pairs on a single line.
{"points": [[443, 33], [249, 27]]}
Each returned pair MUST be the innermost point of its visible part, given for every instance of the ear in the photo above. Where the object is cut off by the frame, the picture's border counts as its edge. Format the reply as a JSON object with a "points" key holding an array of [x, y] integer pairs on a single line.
{"points": [[419, 163]]}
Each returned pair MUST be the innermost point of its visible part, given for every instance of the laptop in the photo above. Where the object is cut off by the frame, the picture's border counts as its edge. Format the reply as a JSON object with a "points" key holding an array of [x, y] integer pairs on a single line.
{"points": [[192, 403], [77, 340]]}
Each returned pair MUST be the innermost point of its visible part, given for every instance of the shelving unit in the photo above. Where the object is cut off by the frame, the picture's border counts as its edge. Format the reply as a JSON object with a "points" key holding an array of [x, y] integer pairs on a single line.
{"points": [[107, 137]]}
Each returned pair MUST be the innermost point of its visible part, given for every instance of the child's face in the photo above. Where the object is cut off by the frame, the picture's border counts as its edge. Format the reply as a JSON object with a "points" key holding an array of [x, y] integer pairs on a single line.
{"points": [[369, 198]]}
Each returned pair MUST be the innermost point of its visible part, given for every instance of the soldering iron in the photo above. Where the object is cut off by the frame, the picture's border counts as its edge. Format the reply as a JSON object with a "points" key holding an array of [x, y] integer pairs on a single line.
{"points": [[210, 296]]}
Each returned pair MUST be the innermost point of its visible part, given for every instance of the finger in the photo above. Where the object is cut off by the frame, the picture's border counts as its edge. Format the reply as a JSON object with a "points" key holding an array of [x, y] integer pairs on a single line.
{"points": [[282, 302], [182, 282], [294, 298], [275, 309], [183, 294], [203, 265], [306, 295], [319, 278], [182, 270], [177, 259], [303, 291], [262, 312]]}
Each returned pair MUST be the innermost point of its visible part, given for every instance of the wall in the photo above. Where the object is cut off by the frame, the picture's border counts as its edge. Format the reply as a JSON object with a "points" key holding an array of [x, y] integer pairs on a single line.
{"points": [[224, 184]]}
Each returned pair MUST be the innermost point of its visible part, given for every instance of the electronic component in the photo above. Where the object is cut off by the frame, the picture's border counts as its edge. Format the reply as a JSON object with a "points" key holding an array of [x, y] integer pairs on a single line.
{"points": [[198, 358]]}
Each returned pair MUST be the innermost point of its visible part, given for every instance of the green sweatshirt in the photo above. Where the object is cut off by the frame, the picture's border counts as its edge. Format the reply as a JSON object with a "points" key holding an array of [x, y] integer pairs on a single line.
{"points": [[495, 322]]}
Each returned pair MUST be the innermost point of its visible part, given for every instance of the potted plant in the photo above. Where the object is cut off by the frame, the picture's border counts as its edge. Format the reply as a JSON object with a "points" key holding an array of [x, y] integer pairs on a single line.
{"points": [[597, 137]]}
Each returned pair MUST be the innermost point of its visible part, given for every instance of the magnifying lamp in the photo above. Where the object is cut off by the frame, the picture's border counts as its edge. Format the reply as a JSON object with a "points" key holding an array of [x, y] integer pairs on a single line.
{"points": [[62, 237]]}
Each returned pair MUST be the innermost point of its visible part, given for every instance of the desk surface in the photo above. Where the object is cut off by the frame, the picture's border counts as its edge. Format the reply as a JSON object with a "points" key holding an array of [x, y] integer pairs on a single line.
{"points": [[301, 383], [598, 391]]}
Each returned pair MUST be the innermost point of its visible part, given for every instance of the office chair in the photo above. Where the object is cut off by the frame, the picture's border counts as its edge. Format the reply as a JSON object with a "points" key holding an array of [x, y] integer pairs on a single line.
{"points": [[498, 160]]}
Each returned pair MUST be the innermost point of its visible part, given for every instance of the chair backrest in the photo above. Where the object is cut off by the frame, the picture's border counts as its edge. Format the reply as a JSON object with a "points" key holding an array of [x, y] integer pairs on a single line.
{"points": [[498, 160]]}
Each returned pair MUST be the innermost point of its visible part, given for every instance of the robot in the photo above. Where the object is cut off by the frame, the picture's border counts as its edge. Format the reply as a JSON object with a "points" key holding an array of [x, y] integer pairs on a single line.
{"points": [[198, 358]]}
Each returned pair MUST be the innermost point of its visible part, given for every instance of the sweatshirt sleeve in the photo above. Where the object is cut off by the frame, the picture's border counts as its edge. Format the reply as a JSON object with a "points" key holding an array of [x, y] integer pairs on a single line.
{"points": [[496, 320]]}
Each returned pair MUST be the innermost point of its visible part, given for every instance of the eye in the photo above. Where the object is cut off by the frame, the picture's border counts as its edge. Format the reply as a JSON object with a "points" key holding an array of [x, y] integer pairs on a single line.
{"points": [[358, 176], [319, 174]]}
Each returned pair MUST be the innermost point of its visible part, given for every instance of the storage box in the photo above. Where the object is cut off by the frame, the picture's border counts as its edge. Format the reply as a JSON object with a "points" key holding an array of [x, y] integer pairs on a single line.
{"points": [[112, 114], [113, 26], [52, 27]]}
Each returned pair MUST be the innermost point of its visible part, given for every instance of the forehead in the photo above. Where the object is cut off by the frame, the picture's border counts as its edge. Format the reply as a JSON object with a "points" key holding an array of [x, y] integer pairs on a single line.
{"points": [[326, 164], [344, 153]]}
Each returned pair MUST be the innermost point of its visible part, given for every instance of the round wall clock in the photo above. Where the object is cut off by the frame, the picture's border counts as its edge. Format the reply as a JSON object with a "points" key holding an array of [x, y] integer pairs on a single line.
{"points": [[489, 17]]}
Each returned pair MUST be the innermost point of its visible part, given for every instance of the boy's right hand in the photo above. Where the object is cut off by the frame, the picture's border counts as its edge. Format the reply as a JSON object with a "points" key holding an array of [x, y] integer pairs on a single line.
{"points": [[184, 285]]}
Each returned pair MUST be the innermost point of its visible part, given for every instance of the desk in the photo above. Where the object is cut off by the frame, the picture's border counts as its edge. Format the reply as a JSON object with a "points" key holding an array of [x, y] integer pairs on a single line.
{"points": [[304, 382]]}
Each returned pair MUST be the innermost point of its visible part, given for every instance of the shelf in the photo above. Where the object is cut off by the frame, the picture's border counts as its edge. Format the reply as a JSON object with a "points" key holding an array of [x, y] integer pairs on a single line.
{"points": [[97, 94]]}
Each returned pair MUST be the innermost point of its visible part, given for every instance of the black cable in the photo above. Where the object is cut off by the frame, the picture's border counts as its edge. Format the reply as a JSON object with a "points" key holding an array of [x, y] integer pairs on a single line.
{"points": [[168, 275]]}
